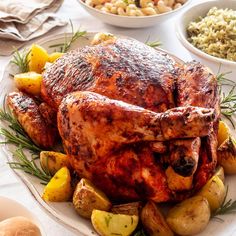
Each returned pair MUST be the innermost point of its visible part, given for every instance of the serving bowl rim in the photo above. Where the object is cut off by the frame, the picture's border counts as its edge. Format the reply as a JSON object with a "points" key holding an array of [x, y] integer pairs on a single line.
{"points": [[135, 17]]}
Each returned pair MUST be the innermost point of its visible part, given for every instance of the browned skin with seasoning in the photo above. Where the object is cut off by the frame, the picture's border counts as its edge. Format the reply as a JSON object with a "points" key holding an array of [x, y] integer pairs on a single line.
{"points": [[103, 130], [197, 86], [125, 70], [29, 116], [125, 149]]}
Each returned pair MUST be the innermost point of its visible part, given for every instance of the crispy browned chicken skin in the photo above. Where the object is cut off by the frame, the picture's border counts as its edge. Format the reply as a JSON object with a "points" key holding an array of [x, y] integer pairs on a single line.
{"points": [[29, 116], [125, 149], [125, 70], [96, 131], [129, 71]]}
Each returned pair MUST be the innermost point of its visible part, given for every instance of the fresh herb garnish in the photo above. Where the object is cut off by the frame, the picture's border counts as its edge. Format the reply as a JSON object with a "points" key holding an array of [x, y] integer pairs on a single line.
{"points": [[222, 80], [21, 60], [64, 47], [154, 44], [28, 166], [16, 135], [228, 207], [107, 220], [227, 101], [228, 104]]}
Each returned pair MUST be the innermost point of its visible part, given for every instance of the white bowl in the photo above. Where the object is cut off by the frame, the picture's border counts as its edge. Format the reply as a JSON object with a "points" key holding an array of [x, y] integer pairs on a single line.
{"points": [[10, 208], [191, 14], [131, 21]]}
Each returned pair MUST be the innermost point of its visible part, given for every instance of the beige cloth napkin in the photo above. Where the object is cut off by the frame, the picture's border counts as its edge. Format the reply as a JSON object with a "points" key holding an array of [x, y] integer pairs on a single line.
{"points": [[23, 20], [23, 10]]}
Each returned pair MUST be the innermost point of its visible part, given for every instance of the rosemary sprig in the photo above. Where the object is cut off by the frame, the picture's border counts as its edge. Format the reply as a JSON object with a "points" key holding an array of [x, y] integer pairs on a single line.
{"points": [[16, 135], [222, 80], [21, 60], [227, 101], [228, 207], [28, 166], [64, 47], [154, 44]]}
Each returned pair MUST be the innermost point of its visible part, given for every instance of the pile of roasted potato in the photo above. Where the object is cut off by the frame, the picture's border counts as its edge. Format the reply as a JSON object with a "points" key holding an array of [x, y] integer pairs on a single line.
{"points": [[30, 82], [186, 218]]}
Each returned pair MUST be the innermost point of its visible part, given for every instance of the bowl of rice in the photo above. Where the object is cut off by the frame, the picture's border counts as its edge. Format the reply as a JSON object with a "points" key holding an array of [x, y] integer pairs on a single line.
{"points": [[133, 13], [208, 30]]}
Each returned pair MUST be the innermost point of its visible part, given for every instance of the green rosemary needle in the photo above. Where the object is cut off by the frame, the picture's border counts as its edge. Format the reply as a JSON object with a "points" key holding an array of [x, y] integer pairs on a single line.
{"points": [[21, 60], [154, 44], [16, 135], [222, 80], [228, 207], [227, 101], [64, 47], [28, 165]]}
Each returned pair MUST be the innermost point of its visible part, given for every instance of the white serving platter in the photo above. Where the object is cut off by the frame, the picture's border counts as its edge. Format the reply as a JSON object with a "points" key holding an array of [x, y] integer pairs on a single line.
{"points": [[64, 212]]}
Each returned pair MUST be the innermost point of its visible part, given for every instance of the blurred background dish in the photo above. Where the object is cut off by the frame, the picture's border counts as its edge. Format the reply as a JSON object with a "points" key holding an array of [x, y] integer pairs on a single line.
{"points": [[195, 13], [13, 210], [132, 16]]}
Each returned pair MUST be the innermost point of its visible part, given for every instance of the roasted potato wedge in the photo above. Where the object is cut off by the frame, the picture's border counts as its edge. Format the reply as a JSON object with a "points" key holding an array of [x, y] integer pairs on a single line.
{"points": [[226, 155], [107, 224], [190, 216], [37, 58], [220, 173], [29, 82], [87, 197], [223, 132], [54, 56], [53, 161], [177, 182], [59, 187], [214, 191], [132, 208], [153, 221]]}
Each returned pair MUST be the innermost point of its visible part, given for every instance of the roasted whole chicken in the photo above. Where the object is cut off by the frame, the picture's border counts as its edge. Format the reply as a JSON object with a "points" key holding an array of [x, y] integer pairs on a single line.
{"points": [[131, 119]]}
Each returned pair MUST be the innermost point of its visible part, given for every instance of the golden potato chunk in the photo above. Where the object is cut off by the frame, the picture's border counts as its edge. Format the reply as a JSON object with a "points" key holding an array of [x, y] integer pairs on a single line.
{"points": [[190, 216], [51, 161], [29, 82], [87, 197], [223, 132], [37, 58], [54, 56], [214, 191], [59, 187], [107, 224], [154, 222], [226, 155]]}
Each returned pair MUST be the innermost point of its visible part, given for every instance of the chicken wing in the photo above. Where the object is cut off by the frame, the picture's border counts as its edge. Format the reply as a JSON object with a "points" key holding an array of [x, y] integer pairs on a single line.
{"points": [[28, 114]]}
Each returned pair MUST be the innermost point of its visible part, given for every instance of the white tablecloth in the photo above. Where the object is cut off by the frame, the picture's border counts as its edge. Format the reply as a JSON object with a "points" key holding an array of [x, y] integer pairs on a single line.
{"points": [[10, 185]]}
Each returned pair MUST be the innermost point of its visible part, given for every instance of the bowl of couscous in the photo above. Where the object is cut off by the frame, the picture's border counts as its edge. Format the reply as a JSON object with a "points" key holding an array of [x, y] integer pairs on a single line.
{"points": [[208, 30], [133, 13]]}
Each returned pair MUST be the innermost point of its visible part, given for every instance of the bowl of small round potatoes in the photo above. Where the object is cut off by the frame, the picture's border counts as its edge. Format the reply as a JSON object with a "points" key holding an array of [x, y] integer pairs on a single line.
{"points": [[133, 13]]}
